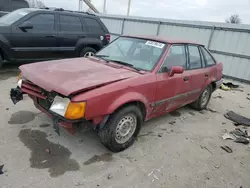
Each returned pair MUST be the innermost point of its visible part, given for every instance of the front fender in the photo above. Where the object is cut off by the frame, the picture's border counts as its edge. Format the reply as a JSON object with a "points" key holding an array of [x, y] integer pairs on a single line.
{"points": [[127, 98]]}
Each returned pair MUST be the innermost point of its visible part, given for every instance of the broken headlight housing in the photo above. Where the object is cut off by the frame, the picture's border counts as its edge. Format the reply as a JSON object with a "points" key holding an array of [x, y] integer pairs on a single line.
{"points": [[70, 110]]}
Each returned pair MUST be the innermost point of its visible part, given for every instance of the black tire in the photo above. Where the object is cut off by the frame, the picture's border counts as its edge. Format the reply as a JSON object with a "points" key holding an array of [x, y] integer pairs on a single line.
{"points": [[107, 134], [199, 104], [86, 50]]}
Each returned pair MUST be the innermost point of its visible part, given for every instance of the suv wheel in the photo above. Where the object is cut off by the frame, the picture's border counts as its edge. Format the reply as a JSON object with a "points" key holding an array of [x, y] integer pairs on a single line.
{"points": [[203, 100], [87, 52], [121, 129]]}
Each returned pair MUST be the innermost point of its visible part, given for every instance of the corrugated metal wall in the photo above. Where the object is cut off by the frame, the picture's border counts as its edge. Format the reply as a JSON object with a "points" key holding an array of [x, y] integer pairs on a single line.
{"points": [[229, 43]]}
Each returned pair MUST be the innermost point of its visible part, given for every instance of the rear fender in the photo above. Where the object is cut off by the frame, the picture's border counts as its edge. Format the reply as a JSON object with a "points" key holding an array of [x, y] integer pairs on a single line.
{"points": [[88, 41], [219, 71], [216, 76]]}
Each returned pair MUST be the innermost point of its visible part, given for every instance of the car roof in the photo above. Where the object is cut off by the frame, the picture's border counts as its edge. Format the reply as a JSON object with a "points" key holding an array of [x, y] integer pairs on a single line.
{"points": [[163, 39], [61, 11]]}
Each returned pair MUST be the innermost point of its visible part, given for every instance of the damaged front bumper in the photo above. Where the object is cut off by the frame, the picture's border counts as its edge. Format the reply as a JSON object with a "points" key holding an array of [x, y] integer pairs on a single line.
{"points": [[16, 95]]}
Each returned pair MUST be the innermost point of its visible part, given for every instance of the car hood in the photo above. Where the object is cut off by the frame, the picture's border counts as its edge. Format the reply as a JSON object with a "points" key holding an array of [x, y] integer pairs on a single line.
{"points": [[70, 76]]}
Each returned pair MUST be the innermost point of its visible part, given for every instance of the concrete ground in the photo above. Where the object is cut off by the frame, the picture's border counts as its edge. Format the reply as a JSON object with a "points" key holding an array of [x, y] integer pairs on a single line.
{"points": [[180, 149]]}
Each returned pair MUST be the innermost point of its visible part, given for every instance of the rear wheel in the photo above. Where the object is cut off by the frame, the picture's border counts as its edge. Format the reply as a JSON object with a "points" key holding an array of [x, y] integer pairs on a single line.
{"points": [[121, 129], [87, 52], [202, 102]]}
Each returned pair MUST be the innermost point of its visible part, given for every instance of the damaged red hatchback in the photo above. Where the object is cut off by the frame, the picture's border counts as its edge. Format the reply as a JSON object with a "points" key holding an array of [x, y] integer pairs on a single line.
{"points": [[132, 80]]}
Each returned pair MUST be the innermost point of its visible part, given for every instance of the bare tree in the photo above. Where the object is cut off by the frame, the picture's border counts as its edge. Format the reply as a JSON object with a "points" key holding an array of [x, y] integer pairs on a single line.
{"points": [[234, 19]]}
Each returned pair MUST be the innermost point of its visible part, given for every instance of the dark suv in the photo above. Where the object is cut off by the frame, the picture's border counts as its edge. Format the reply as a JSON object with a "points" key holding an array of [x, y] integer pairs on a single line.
{"points": [[43, 34]]}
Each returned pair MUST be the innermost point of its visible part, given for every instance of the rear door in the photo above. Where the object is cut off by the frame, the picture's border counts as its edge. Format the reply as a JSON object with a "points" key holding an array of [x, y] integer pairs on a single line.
{"points": [[71, 30], [172, 92], [197, 70]]}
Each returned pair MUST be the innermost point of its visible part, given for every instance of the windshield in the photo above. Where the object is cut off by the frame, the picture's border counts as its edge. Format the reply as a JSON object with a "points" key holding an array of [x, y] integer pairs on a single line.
{"points": [[138, 53], [12, 17]]}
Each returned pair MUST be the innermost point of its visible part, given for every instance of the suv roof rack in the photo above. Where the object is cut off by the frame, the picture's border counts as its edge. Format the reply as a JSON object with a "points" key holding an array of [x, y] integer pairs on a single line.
{"points": [[61, 9]]}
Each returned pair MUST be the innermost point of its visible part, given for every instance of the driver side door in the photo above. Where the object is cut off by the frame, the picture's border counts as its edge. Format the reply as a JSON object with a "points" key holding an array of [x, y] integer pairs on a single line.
{"points": [[38, 42], [172, 91]]}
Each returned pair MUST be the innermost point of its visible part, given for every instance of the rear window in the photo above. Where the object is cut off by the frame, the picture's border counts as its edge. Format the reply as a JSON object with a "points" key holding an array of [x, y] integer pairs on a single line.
{"points": [[70, 23], [93, 25]]}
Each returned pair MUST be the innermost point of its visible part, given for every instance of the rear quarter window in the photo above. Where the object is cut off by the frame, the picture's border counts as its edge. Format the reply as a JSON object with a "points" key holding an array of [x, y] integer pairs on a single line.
{"points": [[93, 25], [209, 60]]}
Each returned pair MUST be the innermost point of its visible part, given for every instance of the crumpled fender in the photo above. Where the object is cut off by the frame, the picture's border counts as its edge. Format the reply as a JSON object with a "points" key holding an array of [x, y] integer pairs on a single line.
{"points": [[127, 98]]}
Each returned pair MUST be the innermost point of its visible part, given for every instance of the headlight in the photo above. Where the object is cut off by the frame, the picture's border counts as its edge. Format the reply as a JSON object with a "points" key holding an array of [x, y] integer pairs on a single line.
{"points": [[68, 109], [20, 76]]}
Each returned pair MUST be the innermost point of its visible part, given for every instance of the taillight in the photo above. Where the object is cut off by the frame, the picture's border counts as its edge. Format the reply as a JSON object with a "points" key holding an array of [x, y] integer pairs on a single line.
{"points": [[108, 37]]}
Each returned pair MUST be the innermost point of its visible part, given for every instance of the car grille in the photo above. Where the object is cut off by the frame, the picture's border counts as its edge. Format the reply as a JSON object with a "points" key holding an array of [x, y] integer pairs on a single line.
{"points": [[44, 98], [45, 103]]}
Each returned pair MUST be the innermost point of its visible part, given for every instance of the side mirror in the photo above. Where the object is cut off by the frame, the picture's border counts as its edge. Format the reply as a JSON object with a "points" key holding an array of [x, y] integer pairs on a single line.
{"points": [[26, 25], [176, 70]]}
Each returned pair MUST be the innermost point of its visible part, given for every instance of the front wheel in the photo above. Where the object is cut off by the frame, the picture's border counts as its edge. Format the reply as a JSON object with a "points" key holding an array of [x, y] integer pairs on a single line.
{"points": [[121, 129], [202, 102]]}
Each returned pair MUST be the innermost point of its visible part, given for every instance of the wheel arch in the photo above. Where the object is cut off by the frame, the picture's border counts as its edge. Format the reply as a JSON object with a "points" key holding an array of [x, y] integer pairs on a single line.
{"points": [[137, 103], [93, 43]]}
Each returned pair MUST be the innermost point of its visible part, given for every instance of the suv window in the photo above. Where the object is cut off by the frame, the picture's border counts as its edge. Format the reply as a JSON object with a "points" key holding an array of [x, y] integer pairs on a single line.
{"points": [[42, 22], [176, 57], [93, 25], [70, 23], [194, 58], [208, 58]]}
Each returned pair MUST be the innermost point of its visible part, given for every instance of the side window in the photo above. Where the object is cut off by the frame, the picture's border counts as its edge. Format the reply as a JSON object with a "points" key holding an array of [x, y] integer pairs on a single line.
{"points": [[70, 23], [93, 25], [194, 58], [42, 22], [176, 57], [208, 58]]}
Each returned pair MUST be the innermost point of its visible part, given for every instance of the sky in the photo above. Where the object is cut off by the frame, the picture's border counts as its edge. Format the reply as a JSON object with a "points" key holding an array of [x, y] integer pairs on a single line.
{"points": [[201, 10]]}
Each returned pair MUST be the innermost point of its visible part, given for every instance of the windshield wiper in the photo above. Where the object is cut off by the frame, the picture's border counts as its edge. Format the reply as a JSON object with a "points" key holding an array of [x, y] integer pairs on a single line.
{"points": [[126, 64], [102, 57]]}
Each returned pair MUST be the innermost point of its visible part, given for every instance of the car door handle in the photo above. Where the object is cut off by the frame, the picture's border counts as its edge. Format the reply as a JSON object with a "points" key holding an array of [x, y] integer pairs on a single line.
{"points": [[206, 75], [81, 36], [186, 78], [51, 36]]}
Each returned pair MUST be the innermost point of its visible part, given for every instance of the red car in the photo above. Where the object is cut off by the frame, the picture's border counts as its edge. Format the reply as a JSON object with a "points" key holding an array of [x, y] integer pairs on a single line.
{"points": [[133, 79]]}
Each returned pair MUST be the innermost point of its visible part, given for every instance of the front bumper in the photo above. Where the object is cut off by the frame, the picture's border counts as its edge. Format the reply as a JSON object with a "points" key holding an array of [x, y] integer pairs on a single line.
{"points": [[16, 95]]}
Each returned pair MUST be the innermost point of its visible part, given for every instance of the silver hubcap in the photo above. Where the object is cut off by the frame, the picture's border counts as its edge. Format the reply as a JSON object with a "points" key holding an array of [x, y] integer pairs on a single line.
{"points": [[88, 54], [204, 97], [125, 128]]}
